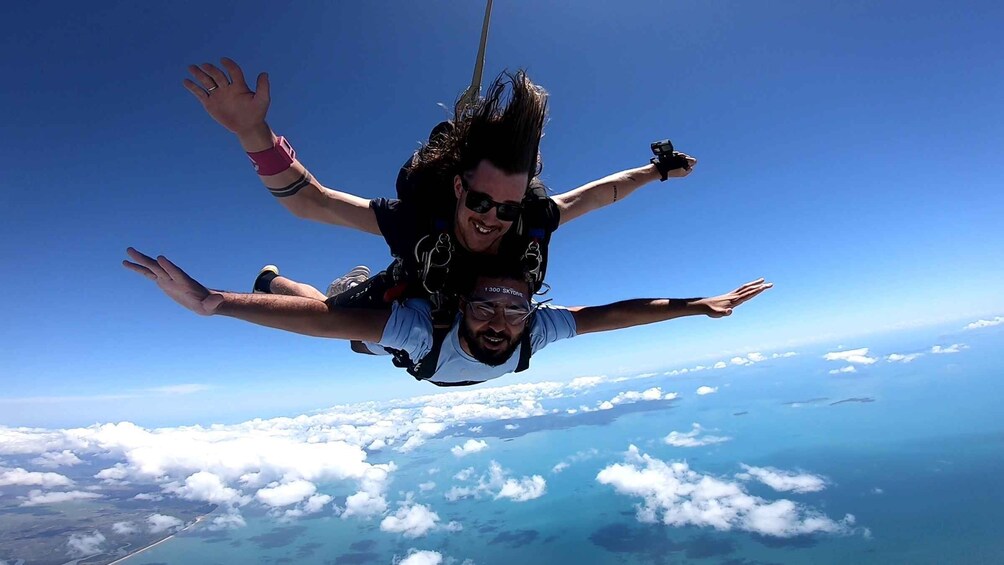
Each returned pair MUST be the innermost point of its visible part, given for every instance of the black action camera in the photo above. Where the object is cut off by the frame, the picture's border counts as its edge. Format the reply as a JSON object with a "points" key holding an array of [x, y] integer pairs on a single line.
{"points": [[666, 158], [663, 147]]}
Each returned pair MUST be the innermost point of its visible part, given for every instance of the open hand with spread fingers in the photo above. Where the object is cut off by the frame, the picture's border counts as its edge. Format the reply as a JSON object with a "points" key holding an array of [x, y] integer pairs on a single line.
{"points": [[722, 305], [228, 99], [175, 283]]}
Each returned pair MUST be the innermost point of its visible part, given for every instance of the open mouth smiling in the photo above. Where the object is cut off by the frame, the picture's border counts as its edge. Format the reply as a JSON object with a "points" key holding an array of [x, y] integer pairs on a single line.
{"points": [[481, 228]]}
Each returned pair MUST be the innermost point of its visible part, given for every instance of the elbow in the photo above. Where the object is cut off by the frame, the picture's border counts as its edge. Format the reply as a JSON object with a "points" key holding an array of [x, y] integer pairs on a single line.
{"points": [[300, 206]]}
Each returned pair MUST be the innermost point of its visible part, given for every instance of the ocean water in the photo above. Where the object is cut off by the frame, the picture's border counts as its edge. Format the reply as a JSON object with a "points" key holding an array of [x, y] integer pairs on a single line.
{"points": [[917, 459]]}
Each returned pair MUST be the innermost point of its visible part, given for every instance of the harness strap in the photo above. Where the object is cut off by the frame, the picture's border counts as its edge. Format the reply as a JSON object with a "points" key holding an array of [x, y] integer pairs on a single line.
{"points": [[525, 347], [426, 366]]}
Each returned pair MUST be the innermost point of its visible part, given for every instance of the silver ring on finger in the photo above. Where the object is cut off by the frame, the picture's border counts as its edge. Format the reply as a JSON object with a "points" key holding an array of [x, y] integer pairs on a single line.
{"points": [[215, 86]]}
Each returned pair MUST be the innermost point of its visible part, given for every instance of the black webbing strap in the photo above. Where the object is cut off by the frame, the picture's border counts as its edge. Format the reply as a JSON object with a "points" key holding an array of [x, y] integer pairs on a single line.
{"points": [[426, 366], [525, 347]]}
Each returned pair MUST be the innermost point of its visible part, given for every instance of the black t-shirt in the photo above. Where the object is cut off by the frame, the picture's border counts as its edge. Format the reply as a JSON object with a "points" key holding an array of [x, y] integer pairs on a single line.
{"points": [[402, 227]]}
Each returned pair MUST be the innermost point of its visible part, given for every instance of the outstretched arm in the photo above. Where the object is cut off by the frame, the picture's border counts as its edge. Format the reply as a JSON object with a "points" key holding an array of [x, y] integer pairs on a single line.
{"points": [[242, 111], [612, 188], [641, 311], [291, 313]]}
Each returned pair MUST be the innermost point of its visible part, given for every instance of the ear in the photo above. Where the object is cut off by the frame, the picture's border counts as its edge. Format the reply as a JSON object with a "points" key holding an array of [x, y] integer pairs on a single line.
{"points": [[458, 187]]}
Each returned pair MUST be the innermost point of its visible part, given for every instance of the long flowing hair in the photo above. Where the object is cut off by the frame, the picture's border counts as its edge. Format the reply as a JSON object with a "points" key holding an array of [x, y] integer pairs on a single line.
{"points": [[504, 126]]}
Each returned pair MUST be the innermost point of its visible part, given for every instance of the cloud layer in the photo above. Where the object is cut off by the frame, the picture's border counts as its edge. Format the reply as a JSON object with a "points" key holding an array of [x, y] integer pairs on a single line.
{"points": [[675, 495]]}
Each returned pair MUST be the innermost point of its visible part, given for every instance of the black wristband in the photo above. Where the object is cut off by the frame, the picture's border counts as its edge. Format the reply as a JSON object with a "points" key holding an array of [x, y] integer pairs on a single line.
{"points": [[292, 188], [666, 163]]}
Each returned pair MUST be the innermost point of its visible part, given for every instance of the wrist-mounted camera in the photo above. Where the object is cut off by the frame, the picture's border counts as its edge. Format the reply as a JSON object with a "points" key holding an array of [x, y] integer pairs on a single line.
{"points": [[666, 158]]}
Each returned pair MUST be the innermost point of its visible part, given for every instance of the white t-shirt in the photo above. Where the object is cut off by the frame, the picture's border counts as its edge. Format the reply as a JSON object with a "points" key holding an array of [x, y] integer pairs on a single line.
{"points": [[410, 329]]}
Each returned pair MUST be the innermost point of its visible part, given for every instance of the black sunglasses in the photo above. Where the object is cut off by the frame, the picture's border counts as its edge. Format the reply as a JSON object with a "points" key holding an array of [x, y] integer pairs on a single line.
{"points": [[481, 203]]}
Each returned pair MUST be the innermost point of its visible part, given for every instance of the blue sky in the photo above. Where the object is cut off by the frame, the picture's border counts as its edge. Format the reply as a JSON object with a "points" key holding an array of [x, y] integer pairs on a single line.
{"points": [[849, 153]]}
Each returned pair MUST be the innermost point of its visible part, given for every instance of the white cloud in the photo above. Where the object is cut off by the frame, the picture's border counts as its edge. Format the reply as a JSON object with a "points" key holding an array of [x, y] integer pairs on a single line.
{"points": [[693, 438], [426, 486], [954, 348], [208, 487], [454, 526], [416, 557], [521, 490], [83, 545], [902, 358], [464, 474], [784, 481], [497, 483], [702, 390], [53, 459], [740, 361], [456, 493], [22, 477], [470, 446], [576, 457], [114, 474], [675, 495], [412, 521], [230, 520], [858, 356], [586, 382], [180, 389], [512, 426], [124, 528], [364, 504], [316, 503], [996, 321], [248, 462], [632, 396], [276, 495], [161, 523], [36, 497], [720, 365], [783, 355], [847, 369]]}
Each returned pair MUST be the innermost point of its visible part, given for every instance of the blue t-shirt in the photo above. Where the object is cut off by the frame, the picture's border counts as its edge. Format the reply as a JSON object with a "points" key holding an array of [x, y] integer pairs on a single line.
{"points": [[410, 329]]}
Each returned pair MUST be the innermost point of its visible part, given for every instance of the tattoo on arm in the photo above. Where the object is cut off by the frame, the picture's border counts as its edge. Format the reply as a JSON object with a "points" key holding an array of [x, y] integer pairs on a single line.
{"points": [[615, 193]]}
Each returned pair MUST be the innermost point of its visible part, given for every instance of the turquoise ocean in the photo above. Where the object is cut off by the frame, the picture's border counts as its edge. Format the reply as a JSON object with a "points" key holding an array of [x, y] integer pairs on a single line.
{"points": [[915, 454]]}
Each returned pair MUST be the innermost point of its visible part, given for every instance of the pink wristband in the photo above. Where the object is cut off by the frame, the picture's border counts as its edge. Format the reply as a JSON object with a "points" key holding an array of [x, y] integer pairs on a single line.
{"points": [[275, 160]]}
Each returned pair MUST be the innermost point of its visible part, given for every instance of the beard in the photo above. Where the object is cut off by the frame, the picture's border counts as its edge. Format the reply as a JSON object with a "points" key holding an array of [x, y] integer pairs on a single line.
{"points": [[489, 357]]}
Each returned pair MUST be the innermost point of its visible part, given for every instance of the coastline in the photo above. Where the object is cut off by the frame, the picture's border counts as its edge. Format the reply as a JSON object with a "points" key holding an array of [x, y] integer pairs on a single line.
{"points": [[158, 542]]}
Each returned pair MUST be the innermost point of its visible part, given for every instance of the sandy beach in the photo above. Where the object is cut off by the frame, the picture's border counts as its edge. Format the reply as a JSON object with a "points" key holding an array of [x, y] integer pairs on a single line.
{"points": [[158, 542]]}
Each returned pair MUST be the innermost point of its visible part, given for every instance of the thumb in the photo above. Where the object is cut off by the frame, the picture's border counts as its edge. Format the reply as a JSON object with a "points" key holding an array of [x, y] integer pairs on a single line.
{"points": [[262, 89], [212, 302]]}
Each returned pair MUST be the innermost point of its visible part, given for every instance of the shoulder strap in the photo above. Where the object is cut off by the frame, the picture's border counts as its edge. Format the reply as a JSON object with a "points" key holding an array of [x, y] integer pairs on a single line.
{"points": [[525, 347], [426, 366]]}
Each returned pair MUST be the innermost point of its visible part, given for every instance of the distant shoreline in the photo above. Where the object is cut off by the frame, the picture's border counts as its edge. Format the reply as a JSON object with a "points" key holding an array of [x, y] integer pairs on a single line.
{"points": [[156, 543]]}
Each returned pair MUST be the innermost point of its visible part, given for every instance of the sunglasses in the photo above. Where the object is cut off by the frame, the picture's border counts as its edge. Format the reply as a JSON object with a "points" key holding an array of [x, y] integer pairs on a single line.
{"points": [[481, 203], [484, 310]]}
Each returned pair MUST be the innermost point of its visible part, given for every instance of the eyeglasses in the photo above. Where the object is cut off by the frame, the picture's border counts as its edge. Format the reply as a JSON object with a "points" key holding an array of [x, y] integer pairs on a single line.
{"points": [[484, 310], [481, 203]]}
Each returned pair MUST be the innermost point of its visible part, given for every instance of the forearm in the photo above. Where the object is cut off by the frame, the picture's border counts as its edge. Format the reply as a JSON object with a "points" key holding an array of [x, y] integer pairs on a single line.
{"points": [[300, 315], [636, 312], [311, 201], [605, 191]]}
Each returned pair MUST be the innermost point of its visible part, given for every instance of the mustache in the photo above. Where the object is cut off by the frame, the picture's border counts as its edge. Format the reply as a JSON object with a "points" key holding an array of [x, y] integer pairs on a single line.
{"points": [[493, 333]]}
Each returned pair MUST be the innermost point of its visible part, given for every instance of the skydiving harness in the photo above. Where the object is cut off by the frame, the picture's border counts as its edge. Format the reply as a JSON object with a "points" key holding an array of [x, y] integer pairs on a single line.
{"points": [[426, 367]]}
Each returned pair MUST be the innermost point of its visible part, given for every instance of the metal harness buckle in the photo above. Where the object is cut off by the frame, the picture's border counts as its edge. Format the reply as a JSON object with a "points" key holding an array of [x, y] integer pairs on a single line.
{"points": [[436, 258]]}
